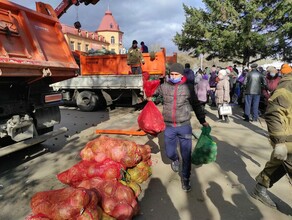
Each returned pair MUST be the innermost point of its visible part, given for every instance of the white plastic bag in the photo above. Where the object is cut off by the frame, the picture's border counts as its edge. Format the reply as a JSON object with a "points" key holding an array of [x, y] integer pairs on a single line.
{"points": [[225, 109]]}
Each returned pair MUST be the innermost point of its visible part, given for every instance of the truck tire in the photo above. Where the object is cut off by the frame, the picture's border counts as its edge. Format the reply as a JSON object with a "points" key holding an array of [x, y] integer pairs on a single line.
{"points": [[86, 101]]}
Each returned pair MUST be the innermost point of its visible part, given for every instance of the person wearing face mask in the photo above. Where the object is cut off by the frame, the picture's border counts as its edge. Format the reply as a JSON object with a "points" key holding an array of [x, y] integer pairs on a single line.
{"points": [[177, 106], [272, 80], [222, 95], [135, 58]]}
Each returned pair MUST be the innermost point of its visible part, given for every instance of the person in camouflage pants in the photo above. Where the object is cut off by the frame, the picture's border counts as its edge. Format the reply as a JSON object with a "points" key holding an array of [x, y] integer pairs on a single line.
{"points": [[279, 122]]}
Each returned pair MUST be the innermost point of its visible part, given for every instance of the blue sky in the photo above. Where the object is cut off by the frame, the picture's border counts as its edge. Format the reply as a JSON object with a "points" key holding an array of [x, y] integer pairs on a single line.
{"points": [[153, 21]]}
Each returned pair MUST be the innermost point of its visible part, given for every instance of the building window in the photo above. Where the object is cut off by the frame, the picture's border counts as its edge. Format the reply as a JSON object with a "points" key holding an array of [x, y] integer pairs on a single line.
{"points": [[111, 26], [112, 40], [79, 46], [113, 50], [86, 47], [72, 45]]}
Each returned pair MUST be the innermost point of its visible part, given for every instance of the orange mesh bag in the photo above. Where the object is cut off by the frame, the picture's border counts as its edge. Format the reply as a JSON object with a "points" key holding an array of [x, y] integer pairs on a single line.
{"points": [[117, 200], [83, 170], [122, 151], [66, 203], [37, 217], [144, 151]]}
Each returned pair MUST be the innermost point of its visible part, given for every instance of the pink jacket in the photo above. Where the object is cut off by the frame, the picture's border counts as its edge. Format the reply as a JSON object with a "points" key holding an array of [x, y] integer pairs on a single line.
{"points": [[201, 89], [222, 91]]}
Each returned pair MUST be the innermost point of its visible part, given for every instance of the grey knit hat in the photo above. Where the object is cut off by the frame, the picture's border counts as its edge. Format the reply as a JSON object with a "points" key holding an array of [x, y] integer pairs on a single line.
{"points": [[254, 65], [177, 67]]}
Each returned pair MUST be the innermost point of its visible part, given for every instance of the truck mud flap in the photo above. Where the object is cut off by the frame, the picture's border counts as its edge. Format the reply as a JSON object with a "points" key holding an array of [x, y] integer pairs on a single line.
{"points": [[30, 142]]}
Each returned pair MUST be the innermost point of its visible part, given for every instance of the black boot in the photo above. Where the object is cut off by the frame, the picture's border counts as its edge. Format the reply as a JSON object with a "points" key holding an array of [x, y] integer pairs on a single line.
{"points": [[226, 118], [185, 184], [260, 193]]}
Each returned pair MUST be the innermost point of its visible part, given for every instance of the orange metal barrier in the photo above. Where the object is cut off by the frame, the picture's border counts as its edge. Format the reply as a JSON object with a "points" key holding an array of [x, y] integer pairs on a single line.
{"points": [[121, 132]]}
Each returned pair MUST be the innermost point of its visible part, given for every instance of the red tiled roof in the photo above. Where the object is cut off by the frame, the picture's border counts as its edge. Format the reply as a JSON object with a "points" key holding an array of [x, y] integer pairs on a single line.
{"points": [[108, 23]]}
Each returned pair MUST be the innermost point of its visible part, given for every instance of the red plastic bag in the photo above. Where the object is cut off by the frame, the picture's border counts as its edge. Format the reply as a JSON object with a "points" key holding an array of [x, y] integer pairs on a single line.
{"points": [[151, 120], [150, 86]]}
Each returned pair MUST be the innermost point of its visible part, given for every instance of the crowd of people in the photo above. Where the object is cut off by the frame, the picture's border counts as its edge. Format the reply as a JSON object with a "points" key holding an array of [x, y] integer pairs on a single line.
{"points": [[250, 88], [184, 89], [256, 90]]}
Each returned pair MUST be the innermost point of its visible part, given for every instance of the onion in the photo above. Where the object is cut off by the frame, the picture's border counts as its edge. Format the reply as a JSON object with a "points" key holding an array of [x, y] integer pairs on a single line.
{"points": [[122, 211]]}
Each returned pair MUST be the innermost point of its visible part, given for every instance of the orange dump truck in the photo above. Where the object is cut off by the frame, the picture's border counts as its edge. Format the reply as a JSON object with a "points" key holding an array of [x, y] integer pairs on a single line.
{"points": [[33, 55], [107, 79]]}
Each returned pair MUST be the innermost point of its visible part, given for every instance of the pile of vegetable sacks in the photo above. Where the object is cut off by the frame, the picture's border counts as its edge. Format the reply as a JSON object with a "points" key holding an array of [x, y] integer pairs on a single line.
{"points": [[104, 185]]}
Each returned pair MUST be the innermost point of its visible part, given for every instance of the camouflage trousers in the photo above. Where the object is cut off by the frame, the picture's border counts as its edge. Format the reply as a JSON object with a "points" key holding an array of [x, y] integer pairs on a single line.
{"points": [[275, 169]]}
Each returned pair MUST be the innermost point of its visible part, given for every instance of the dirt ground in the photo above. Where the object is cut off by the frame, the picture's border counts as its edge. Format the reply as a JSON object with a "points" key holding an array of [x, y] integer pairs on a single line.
{"points": [[220, 190]]}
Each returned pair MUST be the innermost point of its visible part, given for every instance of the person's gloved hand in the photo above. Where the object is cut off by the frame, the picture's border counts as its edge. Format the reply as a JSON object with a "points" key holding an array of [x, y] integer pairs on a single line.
{"points": [[280, 151]]}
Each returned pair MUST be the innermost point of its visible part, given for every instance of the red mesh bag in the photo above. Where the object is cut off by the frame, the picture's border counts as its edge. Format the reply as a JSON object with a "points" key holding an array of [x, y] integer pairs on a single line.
{"points": [[66, 203], [83, 170], [122, 151], [37, 217], [144, 151], [117, 200]]}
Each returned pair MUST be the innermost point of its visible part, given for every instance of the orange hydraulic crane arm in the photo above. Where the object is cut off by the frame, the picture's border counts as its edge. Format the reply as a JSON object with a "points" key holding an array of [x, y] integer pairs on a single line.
{"points": [[62, 7]]}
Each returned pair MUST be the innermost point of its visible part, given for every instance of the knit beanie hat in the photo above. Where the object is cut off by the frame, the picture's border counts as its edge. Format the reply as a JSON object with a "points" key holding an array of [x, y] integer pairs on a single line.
{"points": [[254, 65], [223, 72], [286, 69], [272, 69], [177, 67]]}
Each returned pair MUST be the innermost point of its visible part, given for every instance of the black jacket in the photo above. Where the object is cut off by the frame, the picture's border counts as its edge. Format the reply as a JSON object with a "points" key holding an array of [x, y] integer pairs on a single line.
{"points": [[254, 82]]}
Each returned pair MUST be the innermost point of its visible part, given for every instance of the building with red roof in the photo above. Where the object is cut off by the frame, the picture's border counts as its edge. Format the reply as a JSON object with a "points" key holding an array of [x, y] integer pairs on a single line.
{"points": [[107, 36], [110, 29]]}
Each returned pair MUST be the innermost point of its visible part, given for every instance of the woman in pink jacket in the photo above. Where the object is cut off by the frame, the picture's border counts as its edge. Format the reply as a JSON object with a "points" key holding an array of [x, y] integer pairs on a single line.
{"points": [[222, 95]]}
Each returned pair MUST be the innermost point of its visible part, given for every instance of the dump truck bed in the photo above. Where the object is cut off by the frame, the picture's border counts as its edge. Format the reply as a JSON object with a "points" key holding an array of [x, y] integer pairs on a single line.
{"points": [[32, 45], [117, 64]]}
